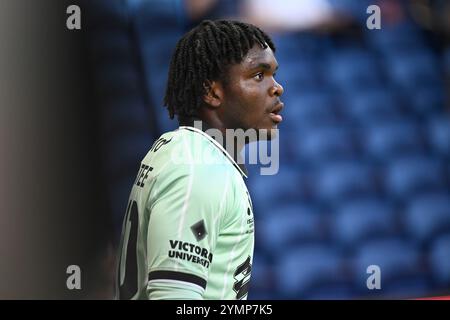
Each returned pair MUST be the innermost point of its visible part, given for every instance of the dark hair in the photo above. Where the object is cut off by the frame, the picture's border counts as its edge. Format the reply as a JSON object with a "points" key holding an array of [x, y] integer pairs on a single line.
{"points": [[204, 54]]}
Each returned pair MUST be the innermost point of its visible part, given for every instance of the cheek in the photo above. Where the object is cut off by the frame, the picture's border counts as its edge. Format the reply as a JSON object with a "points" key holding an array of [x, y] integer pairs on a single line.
{"points": [[248, 103], [253, 98]]}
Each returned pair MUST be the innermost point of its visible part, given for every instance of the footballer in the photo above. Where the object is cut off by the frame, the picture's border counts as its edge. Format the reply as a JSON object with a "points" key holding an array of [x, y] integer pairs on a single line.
{"points": [[188, 232]]}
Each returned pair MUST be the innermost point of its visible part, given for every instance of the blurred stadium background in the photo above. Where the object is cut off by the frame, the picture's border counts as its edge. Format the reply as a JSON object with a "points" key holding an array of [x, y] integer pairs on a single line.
{"points": [[365, 142]]}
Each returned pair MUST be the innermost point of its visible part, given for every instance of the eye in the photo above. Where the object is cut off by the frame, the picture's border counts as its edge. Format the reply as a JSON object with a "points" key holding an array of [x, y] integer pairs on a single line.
{"points": [[259, 76]]}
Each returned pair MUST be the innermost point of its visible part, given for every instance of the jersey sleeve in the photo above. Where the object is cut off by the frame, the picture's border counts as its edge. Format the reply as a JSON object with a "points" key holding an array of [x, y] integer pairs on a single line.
{"points": [[185, 214]]}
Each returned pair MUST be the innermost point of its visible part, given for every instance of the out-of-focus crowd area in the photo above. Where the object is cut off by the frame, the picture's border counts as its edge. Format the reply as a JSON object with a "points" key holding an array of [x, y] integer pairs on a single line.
{"points": [[365, 145]]}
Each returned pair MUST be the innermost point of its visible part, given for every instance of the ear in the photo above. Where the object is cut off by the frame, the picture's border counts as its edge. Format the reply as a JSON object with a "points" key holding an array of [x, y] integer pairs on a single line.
{"points": [[214, 94]]}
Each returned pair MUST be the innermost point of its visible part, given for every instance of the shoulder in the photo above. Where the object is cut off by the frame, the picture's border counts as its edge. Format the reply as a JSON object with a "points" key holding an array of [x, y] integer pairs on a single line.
{"points": [[184, 158], [184, 152]]}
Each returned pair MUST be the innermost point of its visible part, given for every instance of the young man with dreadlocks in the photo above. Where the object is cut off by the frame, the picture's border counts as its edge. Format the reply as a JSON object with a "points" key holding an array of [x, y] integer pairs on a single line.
{"points": [[188, 231]]}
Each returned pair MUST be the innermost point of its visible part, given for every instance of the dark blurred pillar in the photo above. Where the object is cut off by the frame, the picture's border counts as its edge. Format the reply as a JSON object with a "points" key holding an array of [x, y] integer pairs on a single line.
{"points": [[52, 212]]}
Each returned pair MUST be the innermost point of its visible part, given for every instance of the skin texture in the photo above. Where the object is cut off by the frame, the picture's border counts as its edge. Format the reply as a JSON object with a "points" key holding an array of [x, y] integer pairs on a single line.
{"points": [[248, 97]]}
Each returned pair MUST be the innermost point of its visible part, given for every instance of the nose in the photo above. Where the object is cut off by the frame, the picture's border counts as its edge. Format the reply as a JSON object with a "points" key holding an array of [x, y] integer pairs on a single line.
{"points": [[276, 90]]}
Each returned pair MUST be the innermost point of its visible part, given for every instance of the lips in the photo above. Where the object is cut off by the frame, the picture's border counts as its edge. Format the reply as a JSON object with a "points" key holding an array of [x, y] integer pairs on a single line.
{"points": [[274, 114]]}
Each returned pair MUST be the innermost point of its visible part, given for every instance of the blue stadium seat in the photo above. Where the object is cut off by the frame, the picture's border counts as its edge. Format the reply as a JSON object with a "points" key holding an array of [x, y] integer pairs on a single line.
{"points": [[110, 47], [372, 106], [395, 38], [333, 291], [156, 48], [157, 53], [354, 9], [398, 261], [163, 14], [117, 80], [308, 108], [352, 69], [343, 180], [125, 154], [272, 190], [300, 270], [413, 69], [324, 143], [126, 115], [447, 60], [439, 260], [159, 49], [298, 46], [384, 141], [411, 288], [125, 123], [290, 225], [107, 14], [428, 215], [424, 101], [363, 220], [439, 135], [157, 88], [409, 176], [297, 75]]}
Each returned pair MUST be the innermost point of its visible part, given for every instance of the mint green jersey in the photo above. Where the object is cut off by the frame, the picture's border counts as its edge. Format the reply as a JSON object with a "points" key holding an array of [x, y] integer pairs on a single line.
{"points": [[188, 231]]}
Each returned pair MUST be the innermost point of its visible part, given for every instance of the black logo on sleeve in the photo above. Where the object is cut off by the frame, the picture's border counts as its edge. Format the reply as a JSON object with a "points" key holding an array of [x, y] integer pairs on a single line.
{"points": [[242, 277], [190, 252], [199, 230]]}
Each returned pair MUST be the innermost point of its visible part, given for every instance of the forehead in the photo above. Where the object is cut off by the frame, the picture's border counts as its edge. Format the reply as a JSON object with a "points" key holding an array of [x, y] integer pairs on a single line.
{"points": [[258, 55], [255, 57]]}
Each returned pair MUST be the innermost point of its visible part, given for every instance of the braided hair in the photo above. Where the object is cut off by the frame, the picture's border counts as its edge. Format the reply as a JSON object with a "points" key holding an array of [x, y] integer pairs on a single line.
{"points": [[203, 55]]}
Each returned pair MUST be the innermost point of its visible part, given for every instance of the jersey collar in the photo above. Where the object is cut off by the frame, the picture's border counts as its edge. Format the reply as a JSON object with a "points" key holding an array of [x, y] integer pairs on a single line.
{"points": [[240, 167]]}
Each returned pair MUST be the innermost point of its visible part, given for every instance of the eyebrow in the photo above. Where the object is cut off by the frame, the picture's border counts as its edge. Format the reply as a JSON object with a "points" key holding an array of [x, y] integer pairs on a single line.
{"points": [[265, 66]]}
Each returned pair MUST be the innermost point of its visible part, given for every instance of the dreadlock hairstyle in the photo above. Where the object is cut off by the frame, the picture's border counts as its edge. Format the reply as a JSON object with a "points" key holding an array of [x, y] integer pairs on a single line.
{"points": [[204, 54]]}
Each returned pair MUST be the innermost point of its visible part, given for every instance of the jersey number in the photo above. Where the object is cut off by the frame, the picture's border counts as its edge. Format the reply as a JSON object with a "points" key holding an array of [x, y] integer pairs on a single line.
{"points": [[129, 286]]}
